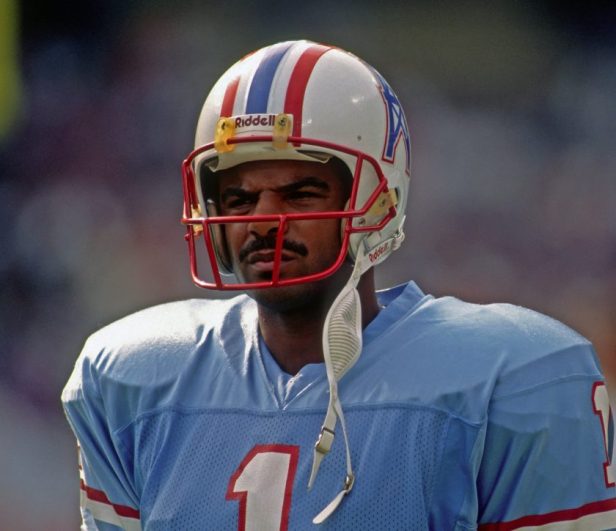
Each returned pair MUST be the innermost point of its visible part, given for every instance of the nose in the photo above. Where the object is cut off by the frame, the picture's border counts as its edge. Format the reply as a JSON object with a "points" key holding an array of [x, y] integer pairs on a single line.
{"points": [[268, 203]]}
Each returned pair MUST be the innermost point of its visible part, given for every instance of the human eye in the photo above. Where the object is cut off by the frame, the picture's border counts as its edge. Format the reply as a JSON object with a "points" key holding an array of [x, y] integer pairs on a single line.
{"points": [[307, 190], [237, 202], [304, 194]]}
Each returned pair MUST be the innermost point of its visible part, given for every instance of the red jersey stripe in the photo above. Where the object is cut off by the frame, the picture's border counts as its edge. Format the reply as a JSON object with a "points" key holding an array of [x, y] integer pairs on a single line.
{"points": [[555, 517], [100, 496]]}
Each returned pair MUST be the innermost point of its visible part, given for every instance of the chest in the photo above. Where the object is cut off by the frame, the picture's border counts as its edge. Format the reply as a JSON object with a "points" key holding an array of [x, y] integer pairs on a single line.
{"points": [[226, 469]]}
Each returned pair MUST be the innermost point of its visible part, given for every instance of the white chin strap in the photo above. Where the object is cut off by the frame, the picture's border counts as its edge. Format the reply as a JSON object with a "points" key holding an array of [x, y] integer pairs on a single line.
{"points": [[342, 343]]}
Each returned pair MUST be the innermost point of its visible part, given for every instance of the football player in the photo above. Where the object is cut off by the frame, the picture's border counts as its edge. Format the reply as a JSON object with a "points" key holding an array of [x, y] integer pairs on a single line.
{"points": [[314, 400]]}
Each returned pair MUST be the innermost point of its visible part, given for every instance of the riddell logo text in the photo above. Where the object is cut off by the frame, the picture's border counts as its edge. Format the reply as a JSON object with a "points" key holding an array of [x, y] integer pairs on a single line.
{"points": [[377, 254], [252, 120]]}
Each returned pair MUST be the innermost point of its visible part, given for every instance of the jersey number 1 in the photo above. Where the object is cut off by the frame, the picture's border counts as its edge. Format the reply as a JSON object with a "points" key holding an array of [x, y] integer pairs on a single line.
{"points": [[601, 406], [263, 484]]}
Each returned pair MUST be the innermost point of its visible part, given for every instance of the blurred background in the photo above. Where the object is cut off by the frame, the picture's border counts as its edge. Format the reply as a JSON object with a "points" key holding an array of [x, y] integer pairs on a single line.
{"points": [[512, 112]]}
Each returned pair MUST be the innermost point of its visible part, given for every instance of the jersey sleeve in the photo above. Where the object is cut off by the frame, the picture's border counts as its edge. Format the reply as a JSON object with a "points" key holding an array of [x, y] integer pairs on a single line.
{"points": [[108, 499], [546, 461]]}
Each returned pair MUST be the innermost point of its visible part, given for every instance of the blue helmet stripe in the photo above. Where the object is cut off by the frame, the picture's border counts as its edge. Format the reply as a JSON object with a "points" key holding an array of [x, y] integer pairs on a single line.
{"points": [[262, 80]]}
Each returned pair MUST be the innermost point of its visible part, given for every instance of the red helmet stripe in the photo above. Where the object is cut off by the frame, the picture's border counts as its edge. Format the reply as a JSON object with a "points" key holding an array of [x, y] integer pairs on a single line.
{"points": [[228, 101], [294, 100]]}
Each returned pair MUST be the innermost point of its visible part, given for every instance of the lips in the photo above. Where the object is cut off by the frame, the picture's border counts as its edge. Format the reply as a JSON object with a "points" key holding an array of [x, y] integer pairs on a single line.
{"points": [[264, 248], [264, 260]]}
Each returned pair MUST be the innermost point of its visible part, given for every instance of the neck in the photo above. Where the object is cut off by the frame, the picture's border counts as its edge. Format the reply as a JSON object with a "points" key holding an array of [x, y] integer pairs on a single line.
{"points": [[294, 337]]}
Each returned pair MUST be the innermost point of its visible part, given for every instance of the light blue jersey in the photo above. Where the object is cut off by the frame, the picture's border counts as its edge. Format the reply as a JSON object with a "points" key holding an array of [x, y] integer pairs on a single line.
{"points": [[460, 416]]}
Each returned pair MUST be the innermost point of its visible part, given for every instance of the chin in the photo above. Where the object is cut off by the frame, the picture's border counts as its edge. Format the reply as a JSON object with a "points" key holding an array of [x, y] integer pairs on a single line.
{"points": [[315, 296], [288, 298]]}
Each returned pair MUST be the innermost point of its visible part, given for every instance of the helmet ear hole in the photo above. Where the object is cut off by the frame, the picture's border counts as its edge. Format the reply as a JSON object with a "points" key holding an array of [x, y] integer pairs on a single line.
{"points": [[217, 232]]}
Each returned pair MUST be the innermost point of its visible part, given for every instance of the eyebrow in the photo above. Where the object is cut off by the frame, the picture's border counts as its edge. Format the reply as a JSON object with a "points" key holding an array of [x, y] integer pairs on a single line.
{"points": [[314, 182]]}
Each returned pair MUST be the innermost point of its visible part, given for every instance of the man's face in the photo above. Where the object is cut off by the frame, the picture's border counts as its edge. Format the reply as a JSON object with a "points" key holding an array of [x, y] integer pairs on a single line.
{"points": [[282, 187]]}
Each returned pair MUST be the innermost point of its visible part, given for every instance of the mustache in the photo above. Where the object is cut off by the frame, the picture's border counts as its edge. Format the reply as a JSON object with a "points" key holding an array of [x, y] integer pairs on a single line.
{"points": [[268, 243]]}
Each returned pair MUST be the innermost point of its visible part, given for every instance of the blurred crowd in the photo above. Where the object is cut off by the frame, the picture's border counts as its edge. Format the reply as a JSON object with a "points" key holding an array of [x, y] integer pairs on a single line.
{"points": [[513, 195]]}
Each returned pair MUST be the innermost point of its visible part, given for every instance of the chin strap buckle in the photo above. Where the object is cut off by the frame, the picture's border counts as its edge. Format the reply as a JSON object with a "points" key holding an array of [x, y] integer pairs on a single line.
{"points": [[325, 441], [349, 481]]}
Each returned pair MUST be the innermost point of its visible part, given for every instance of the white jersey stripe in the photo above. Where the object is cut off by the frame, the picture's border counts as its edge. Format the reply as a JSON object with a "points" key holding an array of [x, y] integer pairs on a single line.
{"points": [[106, 513]]}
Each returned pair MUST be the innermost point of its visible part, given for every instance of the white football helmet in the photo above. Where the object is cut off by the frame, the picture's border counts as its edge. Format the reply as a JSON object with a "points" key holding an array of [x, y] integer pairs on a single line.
{"points": [[300, 100]]}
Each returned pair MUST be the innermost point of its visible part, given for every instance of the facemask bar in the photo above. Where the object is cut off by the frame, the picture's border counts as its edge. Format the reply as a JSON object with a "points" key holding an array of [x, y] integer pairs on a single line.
{"points": [[380, 206]]}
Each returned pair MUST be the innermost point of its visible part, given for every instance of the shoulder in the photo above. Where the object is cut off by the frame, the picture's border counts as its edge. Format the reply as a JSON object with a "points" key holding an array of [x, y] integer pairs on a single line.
{"points": [[520, 347], [159, 334], [512, 334], [496, 323], [138, 359], [459, 356]]}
